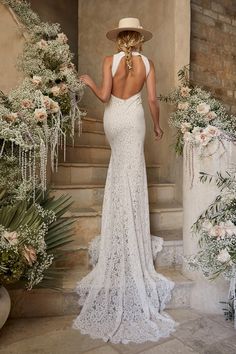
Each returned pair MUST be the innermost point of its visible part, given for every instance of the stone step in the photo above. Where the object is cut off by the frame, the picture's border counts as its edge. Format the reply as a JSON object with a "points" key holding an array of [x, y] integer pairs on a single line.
{"points": [[86, 153], [170, 255], [85, 195], [91, 124], [89, 137], [92, 173], [48, 302], [166, 215], [163, 216]]}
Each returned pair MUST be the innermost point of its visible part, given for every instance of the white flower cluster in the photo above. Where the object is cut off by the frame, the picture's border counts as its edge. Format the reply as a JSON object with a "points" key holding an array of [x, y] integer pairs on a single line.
{"points": [[198, 117], [35, 116]]}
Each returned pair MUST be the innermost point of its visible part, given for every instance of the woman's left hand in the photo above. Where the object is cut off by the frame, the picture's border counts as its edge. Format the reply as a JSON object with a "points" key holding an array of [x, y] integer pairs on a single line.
{"points": [[86, 79]]}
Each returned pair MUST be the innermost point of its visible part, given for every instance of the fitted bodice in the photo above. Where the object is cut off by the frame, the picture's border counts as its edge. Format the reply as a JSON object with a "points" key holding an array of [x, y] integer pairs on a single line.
{"points": [[118, 56]]}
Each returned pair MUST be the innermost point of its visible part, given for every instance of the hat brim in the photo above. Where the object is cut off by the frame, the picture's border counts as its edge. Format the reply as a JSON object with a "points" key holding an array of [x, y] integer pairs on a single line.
{"points": [[112, 35]]}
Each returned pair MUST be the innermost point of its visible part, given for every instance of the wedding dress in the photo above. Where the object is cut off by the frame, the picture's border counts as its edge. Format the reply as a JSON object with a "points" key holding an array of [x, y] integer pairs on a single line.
{"points": [[123, 296]]}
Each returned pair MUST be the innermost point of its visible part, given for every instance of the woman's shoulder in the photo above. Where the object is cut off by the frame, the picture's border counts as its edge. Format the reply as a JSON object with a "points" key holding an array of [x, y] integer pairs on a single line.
{"points": [[107, 60]]}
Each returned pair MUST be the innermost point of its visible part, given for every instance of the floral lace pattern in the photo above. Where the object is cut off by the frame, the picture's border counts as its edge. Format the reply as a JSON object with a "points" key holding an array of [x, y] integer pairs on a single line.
{"points": [[123, 297]]}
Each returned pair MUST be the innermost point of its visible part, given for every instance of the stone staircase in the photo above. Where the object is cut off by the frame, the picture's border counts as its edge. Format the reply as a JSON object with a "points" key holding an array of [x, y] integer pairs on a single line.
{"points": [[83, 176]]}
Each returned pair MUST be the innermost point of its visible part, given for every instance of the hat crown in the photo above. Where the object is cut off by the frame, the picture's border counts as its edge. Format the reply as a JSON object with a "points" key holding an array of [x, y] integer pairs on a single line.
{"points": [[129, 22]]}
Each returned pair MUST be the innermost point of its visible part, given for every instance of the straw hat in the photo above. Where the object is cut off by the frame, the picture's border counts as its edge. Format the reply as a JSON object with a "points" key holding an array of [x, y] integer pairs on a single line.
{"points": [[128, 24]]}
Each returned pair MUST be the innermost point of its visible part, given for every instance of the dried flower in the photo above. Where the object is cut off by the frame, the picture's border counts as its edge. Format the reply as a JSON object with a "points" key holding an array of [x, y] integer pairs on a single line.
{"points": [[211, 115], [62, 38], [40, 114], [11, 237], [203, 108], [11, 117], [54, 106], [63, 88], [213, 131], [185, 91], [47, 101], [30, 254], [217, 231], [26, 103], [185, 127], [37, 80], [42, 44], [56, 90], [183, 105]]}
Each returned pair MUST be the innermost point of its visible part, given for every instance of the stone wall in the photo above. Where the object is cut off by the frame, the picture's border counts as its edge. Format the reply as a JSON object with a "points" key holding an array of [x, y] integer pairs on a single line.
{"points": [[11, 44], [213, 48], [63, 12]]}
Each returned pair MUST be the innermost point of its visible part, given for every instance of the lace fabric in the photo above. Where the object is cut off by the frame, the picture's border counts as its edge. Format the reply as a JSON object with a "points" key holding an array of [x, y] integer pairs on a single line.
{"points": [[123, 297]]}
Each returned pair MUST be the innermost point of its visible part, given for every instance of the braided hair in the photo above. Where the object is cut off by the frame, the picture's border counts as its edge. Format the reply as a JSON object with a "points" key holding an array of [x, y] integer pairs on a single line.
{"points": [[129, 41]]}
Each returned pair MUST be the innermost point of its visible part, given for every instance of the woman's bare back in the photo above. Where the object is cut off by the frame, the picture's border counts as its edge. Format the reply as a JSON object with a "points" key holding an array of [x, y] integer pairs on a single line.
{"points": [[125, 82]]}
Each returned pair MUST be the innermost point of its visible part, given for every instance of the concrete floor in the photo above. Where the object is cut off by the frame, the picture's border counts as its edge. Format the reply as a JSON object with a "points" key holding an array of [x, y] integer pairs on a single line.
{"points": [[197, 333]]}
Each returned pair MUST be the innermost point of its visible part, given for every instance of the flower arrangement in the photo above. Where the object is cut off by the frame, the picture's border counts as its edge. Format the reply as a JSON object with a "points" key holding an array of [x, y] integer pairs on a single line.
{"points": [[216, 228], [199, 118], [36, 117], [30, 238]]}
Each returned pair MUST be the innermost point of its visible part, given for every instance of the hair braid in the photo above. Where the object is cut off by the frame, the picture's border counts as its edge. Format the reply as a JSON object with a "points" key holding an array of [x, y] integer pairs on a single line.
{"points": [[128, 41]]}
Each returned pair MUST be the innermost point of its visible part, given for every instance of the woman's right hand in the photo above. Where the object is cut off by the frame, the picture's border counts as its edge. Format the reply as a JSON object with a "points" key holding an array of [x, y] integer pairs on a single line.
{"points": [[158, 133]]}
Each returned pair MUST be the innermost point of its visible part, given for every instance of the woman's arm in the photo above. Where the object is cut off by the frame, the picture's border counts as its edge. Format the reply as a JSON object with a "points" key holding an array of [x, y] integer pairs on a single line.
{"points": [[152, 100], [104, 91]]}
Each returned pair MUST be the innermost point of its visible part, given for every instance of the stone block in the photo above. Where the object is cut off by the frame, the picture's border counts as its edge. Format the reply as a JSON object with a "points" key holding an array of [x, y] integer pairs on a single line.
{"points": [[198, 17], [217, 7], [210, 13]]}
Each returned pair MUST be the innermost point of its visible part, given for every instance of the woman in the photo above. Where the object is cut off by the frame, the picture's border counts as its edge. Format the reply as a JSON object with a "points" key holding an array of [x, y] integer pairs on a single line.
{"points": [[123, 297]]}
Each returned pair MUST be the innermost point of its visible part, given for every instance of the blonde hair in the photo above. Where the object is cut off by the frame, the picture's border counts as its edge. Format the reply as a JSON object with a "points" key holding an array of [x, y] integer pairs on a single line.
{"points": [[128, 41]]}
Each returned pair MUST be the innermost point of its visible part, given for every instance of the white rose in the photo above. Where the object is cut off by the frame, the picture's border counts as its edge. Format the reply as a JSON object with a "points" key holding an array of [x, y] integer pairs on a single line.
{"points": [[211, 115], [11, 117], [207, 225], [11, 237], [183, 105], [26, 103], [213, 131], [47, 101], [63, 88], [62, 38], [223, 256], [54, 107], [55, 90], [40, 114], [185, 91], [185, 127], [230, 228], [203, 108], [217, 231], [37, 80], [42, 44], [203, 138]]}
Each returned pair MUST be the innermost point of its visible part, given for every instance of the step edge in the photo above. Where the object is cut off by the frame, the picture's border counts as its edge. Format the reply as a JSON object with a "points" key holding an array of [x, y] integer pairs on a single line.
{"points": [[91, 186]]}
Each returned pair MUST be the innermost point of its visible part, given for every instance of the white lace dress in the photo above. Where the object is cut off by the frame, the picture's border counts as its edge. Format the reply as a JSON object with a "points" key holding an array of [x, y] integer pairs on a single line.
{"points": [[123, 296]]}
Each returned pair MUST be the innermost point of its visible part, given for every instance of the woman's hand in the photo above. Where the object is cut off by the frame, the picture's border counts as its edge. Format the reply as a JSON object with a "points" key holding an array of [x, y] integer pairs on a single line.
{"points": [[86, 79], [158, 132]]}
